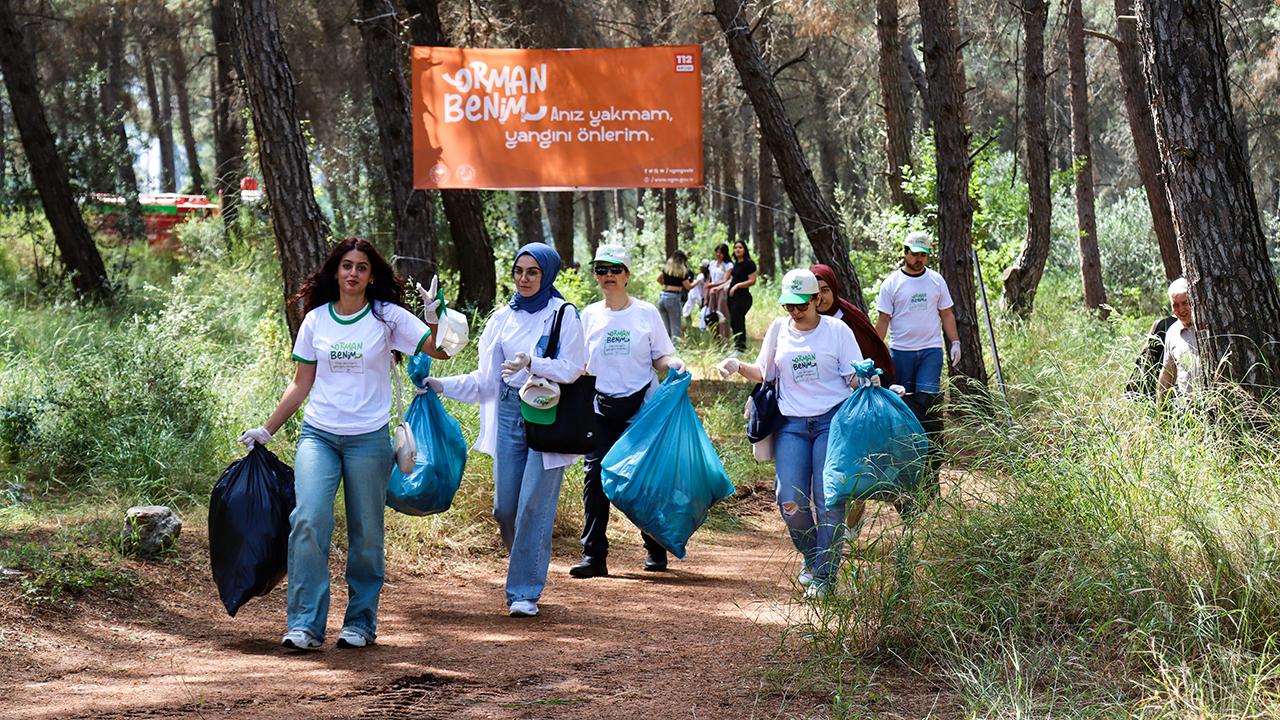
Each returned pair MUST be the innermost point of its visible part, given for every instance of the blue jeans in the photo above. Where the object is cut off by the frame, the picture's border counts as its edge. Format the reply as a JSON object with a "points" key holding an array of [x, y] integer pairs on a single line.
{"points": [[670, 307], [524, 502], [918, 370], [363, 462], [800, 451]]}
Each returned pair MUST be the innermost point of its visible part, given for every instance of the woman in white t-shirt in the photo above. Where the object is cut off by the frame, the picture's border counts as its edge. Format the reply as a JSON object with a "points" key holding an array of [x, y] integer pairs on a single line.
{"points": [[355, 318], [626, 341], [526, 482], [811, 357], [718, 289]]}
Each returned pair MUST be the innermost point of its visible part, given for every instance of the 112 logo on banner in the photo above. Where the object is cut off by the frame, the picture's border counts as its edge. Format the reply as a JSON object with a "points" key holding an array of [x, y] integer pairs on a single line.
{"points": [[684, 63]]}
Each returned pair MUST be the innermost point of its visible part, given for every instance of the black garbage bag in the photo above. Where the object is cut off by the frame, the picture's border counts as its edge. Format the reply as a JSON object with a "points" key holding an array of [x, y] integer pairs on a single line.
{"points": [[249, 527]]}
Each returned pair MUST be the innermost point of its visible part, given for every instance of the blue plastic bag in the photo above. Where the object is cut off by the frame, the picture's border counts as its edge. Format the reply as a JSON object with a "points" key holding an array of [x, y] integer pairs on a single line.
{"points": [[875, 446], [442, 452], [663, 473]]}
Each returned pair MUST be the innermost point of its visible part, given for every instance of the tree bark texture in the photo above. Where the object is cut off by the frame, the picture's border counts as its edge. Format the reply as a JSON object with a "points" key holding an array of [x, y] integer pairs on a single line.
{"points": [[670, 221], [944, 67], [747, 218], [918, 81], [819, 219], [529, 217], [559, 209], [75, 245], [463, 209], [112, 95], [228, 127], [765, 250], [178, 66], [153, 101], [1095, 296], [168, 158], [411, 210], [598, 211], [639, 210], [897, 142], [731, 203], [1215, 213], [1023, 277], [1137, 105], [301, 233]]}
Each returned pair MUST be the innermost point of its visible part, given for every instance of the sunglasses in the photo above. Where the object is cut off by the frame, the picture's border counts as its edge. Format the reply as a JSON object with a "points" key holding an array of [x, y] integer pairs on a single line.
{"points": [[796, 308], [603, 270]]}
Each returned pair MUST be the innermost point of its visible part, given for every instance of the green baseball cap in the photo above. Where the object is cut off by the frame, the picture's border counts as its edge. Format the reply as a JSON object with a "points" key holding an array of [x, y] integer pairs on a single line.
{"points": [[539, 398], [919, 241]]}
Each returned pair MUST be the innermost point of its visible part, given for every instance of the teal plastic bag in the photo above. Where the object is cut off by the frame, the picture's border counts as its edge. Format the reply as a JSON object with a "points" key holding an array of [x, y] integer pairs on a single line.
{"points": [[663, 473], [876, 445], [442, 452]]}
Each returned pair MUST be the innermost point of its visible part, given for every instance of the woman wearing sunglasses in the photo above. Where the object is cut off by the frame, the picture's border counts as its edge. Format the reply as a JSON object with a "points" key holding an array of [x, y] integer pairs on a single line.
{"points": [[811, 357], [526, 483], [626, 341]]}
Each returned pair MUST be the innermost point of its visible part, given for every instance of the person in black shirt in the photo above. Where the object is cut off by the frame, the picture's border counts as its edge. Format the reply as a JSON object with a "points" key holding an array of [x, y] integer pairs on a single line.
{"points": [[741, 278], [1148, 365], [675, 279]]}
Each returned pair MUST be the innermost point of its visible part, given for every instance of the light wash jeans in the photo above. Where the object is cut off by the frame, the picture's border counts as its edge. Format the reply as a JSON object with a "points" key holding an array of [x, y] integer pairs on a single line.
{"points": [[524, 502], [671, 309], [364, 464], [800, 451]]}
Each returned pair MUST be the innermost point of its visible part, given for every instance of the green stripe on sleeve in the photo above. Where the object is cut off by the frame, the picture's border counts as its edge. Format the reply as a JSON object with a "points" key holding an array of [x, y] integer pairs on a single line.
{"points": [[303, 360], [422, 342]]}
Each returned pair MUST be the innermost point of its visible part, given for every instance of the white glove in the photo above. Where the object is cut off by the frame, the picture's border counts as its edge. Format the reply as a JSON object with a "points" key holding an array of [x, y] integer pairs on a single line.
{"points": [[514, 365], [433, 384], [955, 352], [257, 435], [430, 301], [900, 390], [728, 366], [675, 364], [858, 381]]}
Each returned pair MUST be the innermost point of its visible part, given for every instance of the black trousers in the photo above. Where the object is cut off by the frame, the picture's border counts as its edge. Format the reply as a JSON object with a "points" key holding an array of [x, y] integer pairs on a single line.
{"points": [[739, 304], [927, 408], [610, 424]]}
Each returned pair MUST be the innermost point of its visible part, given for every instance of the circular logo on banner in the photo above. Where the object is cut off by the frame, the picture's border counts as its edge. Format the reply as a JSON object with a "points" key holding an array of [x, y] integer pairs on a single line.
{"points": [[466, 173], [440, 172]]}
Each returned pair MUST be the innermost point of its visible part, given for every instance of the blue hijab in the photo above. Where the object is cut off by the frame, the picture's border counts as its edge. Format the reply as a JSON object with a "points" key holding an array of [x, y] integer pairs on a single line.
{"points": [[549, 261]]}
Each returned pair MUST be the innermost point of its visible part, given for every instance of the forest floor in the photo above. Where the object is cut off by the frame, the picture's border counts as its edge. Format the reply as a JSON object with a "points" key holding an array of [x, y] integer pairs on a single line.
{"points": [[704, 640]]}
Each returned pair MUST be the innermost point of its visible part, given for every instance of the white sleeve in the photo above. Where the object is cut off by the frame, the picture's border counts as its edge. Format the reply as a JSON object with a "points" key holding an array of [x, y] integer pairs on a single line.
{"points": [[661, 344], [481, 383], [304, 350], [944, 295], [408, 332], [571, 358], [884, 301], [768, 349]]}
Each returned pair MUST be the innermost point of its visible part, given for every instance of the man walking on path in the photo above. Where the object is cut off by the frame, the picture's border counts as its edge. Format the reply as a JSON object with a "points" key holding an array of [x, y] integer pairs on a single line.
{"points": [[915, 309]]}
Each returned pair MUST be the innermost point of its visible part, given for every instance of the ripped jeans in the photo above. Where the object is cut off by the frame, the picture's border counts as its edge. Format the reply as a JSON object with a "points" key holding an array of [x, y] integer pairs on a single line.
{"points": [[800, 451]]}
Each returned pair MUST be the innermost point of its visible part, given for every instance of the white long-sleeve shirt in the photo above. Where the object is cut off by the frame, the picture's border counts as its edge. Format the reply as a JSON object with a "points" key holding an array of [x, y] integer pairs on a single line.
{"points": [[512, 331]]}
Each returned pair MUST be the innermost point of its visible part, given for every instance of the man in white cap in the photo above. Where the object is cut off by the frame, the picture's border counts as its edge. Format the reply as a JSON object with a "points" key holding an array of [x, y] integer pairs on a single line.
{"points": [[1180, 368]]}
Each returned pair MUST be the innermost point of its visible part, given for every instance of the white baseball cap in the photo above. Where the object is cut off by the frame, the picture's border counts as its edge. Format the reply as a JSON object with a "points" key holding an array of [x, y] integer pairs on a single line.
{"points": [[919, 241], [614, 255], [538, 400], [451, 332], [798, 287]]}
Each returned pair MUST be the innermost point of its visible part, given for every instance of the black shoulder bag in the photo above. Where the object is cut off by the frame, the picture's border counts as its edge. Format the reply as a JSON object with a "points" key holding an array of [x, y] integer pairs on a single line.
{"points": [[574, 429]]}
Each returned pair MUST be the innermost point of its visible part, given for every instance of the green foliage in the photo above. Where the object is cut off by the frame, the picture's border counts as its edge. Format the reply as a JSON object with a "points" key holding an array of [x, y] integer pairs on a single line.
{"points": [[67, 564]]}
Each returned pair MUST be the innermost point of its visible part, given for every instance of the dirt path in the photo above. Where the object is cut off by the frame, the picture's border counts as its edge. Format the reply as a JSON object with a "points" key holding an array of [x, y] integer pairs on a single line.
{"points": [[689, 643]]}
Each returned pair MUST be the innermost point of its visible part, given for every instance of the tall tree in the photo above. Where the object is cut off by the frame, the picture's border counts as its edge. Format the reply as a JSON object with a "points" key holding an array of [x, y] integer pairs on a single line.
{"points": [[1215, 213], [764, 215], [728, 159], [1023, 277], [181, 93], [158, 100], [1141, 126], [1095, 296], [599, 215], [820, 221], [529, 217], [112, 97], [670, 221], [559, 208], [228, 127], [301, 233], [75, 246], [944, 67], [464, 209], [411, 210], [897, 141]]}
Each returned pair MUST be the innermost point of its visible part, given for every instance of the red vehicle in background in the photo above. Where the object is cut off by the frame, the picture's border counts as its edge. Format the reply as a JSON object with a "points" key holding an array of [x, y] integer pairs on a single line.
{"points": [[161, 213]]}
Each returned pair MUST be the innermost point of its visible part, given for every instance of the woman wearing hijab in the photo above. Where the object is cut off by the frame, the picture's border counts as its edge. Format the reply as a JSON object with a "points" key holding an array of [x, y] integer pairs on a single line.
{"points": [[526, 482], [869, 342]]}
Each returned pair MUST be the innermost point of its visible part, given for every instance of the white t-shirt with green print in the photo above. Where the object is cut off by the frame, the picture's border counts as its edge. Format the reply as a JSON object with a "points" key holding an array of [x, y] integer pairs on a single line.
{"points": [[352, 391], [622, 345], [813, 367], [912, 304]]}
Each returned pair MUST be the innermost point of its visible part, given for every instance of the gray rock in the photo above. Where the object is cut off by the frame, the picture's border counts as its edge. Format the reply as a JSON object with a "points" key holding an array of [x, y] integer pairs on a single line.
{"points": [[149, 530]]}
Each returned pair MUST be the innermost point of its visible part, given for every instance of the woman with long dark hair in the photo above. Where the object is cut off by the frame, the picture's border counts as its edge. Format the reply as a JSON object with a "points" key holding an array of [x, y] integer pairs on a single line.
{"points": [[741, 277], [526, 482], [718, 289], [355, 319]]}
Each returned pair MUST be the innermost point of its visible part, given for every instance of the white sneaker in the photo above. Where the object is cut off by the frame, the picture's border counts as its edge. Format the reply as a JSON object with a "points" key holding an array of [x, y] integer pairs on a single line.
{"points": [[301, 639], [805, 578], [352, 639], [817, 590], [523, 608]]}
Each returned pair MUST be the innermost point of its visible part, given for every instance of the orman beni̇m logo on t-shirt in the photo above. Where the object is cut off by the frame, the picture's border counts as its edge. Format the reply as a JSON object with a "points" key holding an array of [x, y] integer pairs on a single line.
{"points": [[919, 301], [346, 357], [617, 342], [804, 368]]}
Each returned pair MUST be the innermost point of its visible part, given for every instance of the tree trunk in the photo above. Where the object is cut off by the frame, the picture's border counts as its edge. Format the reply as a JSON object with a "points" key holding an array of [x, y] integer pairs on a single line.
{"points": [[301, 234], [411, 210], [939, 25], [168, 162], [639, 210], [463, 209], [529, 217], [917, 79], [897, 143], [1023, 277], [112, 95], [1095, 296], [1137, 105], [1215, 213], [747, 217], [670, 221], [559, 209], [731, 203], [75, 246], [153, 101], [178, 63], [589, 218], [598, 212], [789, 244], [228, 127], [820, 221], [619, 207], [764, 215]]}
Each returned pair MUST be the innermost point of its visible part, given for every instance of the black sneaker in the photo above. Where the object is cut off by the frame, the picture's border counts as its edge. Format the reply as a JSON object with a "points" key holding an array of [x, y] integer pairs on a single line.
{"points": [[587, 568], [652, 564]]}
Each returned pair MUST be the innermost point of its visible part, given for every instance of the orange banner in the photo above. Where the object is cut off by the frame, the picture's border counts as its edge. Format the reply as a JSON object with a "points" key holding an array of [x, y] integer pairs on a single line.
{"points": [[555, 119]]}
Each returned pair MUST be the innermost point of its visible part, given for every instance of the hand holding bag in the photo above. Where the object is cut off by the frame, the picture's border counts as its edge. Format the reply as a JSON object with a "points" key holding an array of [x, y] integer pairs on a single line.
{"points": [[402, 443], [573, 432]]}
